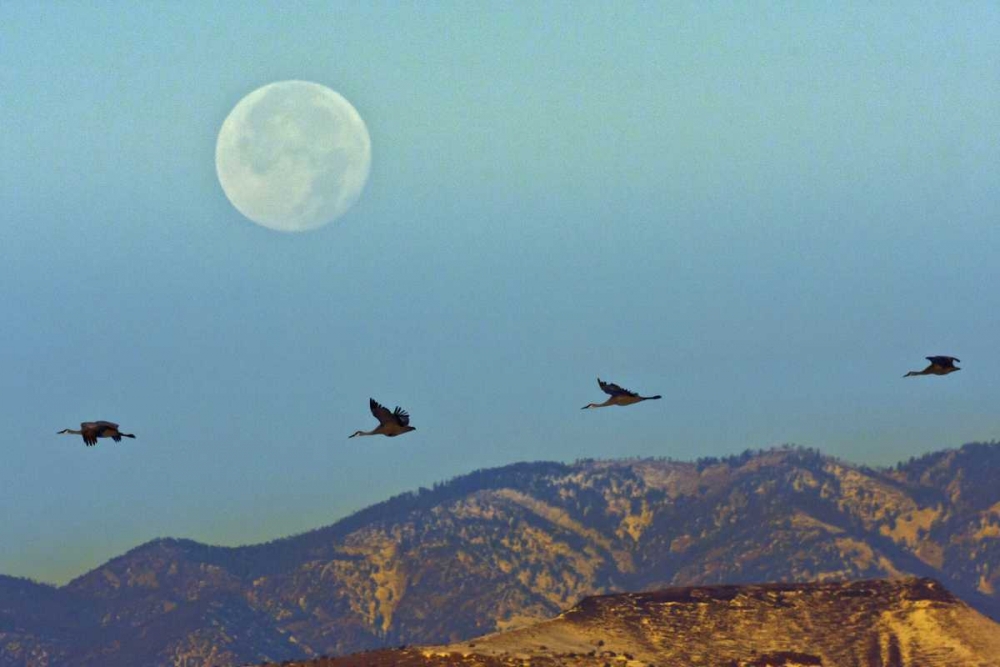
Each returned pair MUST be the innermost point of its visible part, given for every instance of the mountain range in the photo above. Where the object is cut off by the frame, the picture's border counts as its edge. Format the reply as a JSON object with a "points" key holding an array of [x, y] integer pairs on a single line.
{"points": [[507, 547]]}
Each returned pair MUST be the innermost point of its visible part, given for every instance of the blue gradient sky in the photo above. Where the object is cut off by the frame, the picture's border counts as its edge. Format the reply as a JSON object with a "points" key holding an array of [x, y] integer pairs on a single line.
{"points": [[765, 212]]}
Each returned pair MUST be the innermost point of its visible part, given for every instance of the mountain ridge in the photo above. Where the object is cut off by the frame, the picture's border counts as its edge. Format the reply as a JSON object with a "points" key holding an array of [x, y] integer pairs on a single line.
{"points": [[503, 547]]}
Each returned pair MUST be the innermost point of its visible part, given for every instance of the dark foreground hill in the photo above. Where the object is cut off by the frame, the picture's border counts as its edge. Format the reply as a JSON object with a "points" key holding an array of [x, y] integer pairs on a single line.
{"points": [[876, 623], [503, 548]]}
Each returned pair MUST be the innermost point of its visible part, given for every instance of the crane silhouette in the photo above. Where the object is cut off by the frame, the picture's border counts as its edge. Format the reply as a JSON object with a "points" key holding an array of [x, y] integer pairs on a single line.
{"points": [[619, 396], [390, 424], [91, 431], [939, 366]]}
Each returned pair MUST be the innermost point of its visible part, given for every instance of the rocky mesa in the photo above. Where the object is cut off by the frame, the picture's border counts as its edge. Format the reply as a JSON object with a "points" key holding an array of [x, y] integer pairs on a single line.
{"points": [[874, 623]]}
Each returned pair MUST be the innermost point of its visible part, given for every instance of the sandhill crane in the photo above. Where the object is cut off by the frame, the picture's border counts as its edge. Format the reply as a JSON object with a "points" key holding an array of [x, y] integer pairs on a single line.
{"points": [[91, 431], [939, 366], [390, 424], [619, 396]]}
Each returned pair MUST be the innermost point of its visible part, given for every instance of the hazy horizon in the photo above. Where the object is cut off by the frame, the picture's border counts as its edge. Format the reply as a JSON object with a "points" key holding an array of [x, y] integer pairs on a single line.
{"points": [[765, 213], [334, 520]]}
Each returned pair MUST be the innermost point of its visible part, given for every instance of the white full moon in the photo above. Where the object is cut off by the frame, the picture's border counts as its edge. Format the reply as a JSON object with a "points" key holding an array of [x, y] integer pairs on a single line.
{"points": [[293, 156]]}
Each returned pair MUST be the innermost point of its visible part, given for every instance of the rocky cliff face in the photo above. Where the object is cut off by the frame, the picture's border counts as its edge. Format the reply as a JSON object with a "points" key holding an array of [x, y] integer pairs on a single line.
{"points": [[902, 623], [507, 547]]}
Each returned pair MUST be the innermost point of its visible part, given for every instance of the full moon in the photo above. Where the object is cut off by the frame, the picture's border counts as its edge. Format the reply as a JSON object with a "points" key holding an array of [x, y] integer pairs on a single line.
{"points": [[293, 156]]}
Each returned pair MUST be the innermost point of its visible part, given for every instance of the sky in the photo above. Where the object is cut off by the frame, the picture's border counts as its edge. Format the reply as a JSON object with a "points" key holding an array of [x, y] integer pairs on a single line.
{"points": [[765, 212]]}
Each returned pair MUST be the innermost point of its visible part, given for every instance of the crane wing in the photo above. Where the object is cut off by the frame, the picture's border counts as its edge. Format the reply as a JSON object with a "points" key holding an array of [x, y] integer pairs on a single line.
{"points": [[402, 416], [947, 362], [90, 431], [612, 389], [97, 426], [380, 412]]}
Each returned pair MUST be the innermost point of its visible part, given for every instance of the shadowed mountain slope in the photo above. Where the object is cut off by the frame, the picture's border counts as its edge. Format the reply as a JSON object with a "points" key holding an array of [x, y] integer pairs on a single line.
{"points": [[875, 623], [507, 547]]}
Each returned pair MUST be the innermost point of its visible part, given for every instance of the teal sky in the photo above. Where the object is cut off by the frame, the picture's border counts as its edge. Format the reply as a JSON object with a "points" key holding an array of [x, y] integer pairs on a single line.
{"points": [[765, 212]]}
